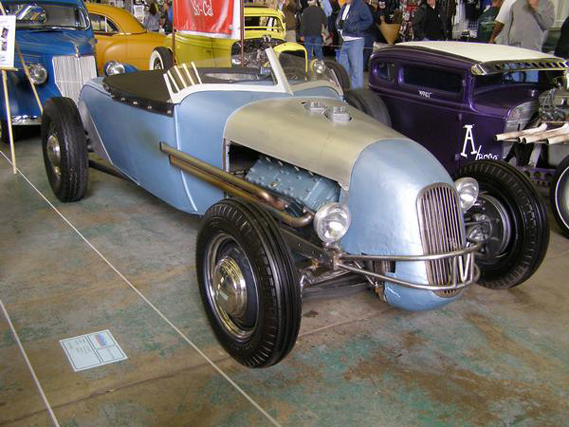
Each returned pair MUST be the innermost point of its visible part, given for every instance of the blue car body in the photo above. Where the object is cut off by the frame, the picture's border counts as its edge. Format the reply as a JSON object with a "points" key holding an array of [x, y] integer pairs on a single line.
{"points": [[66, 53], [380, 175]]}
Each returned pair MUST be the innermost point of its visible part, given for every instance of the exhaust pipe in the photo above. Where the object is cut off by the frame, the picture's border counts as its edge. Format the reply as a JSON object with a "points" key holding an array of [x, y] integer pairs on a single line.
{"points": [[233, 185], [518, 134], [546, 135]]}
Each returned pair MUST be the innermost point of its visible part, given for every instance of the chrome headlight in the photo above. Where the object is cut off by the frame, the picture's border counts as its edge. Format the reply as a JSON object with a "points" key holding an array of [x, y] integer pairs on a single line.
{"points": [[38, 73], [236, 60], [114, 67], [332, 221], [467, 189], [319, 67]]}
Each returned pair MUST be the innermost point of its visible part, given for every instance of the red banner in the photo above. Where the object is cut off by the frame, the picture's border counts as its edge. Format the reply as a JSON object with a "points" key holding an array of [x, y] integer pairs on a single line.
{"points": [[213, 18]]}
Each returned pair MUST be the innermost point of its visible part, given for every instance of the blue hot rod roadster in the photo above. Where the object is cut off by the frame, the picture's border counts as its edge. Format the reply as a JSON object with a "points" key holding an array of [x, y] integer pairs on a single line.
{"points": [[298, 192]]}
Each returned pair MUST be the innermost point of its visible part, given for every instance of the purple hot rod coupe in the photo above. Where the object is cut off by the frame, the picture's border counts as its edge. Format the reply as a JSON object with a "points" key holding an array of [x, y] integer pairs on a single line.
{"points": [[337, 199], [475, 101]]}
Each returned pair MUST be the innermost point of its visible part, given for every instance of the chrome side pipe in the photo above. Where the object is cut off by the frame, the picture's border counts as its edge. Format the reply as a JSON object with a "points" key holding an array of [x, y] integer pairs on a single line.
{"points": [[234, 185], [538, 134], [518, 134]]}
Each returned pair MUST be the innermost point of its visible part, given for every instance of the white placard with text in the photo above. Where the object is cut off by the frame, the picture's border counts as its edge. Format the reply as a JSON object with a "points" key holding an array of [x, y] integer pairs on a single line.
{"points": [[7, 40]]}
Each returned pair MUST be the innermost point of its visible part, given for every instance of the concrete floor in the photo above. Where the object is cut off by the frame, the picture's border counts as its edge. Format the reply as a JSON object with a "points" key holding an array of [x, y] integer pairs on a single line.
{"points": [[491, 358]]}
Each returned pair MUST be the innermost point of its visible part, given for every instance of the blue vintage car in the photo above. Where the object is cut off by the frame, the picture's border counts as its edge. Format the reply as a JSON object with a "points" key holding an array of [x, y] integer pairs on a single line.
{"points": [[57, 44], [299, 192]]}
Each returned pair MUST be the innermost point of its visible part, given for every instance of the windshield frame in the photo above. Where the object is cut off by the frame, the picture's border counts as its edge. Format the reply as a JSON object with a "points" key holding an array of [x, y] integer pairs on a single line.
{"points": [[281, 83]]}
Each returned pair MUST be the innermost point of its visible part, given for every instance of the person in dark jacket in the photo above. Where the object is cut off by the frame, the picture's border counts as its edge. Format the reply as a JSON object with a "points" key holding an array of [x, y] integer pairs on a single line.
{"points": [[487, 22], [353, 20], [370, 35], [428, 24], [311, 23], [289, 8], [562, 48]]}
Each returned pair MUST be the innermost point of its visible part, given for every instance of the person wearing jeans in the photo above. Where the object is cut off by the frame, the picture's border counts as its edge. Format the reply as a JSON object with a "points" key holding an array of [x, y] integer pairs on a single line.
{"points": [[311, 23], [353, 20]]}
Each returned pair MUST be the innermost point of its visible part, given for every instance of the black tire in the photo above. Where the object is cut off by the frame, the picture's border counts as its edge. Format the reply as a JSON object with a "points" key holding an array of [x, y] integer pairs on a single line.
{"points": [[161, 59], [262, 330], [520, 228], [340, 72], [64, 149], [559, 195], [370, 103]]}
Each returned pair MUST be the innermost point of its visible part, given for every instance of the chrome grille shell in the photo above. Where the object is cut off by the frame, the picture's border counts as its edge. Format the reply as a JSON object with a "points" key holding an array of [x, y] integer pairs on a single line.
{"points": [[72, 72], [442, 231]]}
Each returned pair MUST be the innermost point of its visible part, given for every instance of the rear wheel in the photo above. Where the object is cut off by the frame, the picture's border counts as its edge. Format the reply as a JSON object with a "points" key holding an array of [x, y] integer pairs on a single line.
{"points": [[559, 196], [161, 59], [510, 219], [370, 103], [340, 72], [248, 283], [64, 149]]}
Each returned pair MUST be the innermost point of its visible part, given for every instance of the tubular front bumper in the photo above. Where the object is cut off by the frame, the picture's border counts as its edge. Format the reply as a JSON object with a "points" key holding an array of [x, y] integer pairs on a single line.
{"points": [[463, 269]]}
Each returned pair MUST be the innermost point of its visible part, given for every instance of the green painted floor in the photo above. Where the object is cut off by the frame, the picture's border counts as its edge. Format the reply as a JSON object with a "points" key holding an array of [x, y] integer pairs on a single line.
{"points": [[495, 357]]}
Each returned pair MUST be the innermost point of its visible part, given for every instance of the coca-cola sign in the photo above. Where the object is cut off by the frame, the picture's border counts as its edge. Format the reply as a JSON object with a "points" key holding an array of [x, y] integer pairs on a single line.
{"points": [[213, 18]]}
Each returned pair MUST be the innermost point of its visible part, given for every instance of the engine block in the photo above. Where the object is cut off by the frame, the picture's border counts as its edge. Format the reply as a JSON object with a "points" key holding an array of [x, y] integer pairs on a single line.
{"points": [[306, 188], [554, 105]]}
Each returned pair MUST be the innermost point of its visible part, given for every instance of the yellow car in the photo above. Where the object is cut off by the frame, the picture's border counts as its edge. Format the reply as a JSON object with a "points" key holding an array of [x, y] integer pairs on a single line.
{"points": [[120, 37], [264, 27]]}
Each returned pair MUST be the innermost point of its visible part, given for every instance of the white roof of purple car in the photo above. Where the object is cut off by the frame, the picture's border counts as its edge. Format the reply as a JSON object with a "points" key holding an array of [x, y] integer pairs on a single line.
{"points": [[494, 58], [481, 52]]}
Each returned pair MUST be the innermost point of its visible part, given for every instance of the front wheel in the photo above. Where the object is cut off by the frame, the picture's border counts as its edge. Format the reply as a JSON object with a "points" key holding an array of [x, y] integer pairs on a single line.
{"points": [[510, 219], [248, 283], [161, 59], [559, 195], [370, 103], [340, 72], [64, 149]]}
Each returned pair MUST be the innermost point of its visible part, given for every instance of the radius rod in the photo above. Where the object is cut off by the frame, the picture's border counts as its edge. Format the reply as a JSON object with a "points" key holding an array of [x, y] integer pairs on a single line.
{"points": [[233, 185]]}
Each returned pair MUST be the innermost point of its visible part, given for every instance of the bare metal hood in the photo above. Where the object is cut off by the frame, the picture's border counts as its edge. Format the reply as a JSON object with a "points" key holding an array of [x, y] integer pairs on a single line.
{"points": [[286, 130]]}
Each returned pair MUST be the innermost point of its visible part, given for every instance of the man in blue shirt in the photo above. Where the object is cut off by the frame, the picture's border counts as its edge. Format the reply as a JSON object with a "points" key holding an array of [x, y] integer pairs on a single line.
{"points": [[353, 20]]}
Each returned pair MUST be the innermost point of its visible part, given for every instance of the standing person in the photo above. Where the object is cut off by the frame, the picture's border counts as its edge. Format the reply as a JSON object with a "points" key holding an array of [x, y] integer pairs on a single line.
{"points": [[528, 22], [311, 23], [428, 24], [165, 20], [152, 18], [487, 22], [562, 48], [289, 8], [501, 19], [370, 35], [353, 20]]}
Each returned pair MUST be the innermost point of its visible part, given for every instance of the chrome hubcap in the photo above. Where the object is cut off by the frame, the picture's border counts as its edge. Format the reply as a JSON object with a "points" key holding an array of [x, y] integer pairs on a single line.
{"points": [[230, 288], [496, 229], [54, 155]]}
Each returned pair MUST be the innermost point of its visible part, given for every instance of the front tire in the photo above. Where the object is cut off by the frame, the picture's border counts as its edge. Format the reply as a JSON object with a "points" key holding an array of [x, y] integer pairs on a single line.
{"points": [[517, 231], [161, 59], [340, 72], [64, 149], [559, 195], [248, 283], [370, 103]]}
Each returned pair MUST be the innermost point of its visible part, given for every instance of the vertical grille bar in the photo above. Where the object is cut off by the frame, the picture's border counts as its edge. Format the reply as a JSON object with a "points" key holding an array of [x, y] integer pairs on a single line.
{"points": [[441, 230], [72, 72]]}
